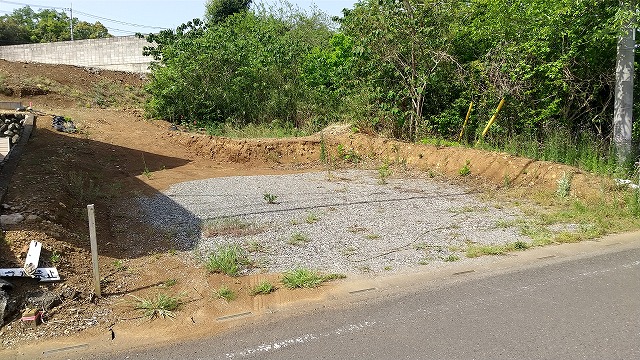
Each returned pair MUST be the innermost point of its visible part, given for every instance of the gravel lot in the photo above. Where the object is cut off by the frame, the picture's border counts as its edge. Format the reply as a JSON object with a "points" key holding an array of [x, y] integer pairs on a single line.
{"points": [[338, 221]]}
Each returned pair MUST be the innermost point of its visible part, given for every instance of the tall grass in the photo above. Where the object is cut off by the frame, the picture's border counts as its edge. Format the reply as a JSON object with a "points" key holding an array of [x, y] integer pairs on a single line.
{"points": [[584, 150]]}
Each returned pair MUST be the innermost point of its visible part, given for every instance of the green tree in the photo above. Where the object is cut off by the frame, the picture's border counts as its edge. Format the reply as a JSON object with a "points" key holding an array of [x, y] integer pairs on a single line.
{"points": [[218, 10], [24, 25]]}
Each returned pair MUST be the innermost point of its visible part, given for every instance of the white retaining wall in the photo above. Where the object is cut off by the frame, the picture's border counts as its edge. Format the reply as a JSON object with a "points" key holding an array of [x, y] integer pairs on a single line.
{"points": [[123, 53]]}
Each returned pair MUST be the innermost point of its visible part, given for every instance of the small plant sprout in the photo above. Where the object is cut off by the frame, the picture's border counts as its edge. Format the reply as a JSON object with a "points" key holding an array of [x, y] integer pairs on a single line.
{"points": [[451, 258], [225, 293], [311, 218], [270, 198], [118, 265], [564, 185], [383, 173], [466, 169], [263, 288], [55, 257]]}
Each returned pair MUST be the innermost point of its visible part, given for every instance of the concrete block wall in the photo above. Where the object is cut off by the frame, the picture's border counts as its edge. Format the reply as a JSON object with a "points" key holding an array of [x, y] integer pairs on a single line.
{"points": [[123, 53]]}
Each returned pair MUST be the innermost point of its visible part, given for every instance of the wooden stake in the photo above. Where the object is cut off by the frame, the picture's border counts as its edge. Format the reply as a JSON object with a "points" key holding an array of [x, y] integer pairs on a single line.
{"points": [[466, 120], [94, 249]]}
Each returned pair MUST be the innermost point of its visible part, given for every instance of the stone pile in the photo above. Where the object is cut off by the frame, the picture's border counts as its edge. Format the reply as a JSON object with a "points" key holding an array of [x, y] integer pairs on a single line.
{"points": [[11, 126]]}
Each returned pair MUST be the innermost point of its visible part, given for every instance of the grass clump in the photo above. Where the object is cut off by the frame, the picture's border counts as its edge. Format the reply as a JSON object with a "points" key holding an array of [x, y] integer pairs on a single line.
{"points": [[263, 288], [466, 169], [298, 239], [230, 226], [229, 260], [270, 198], [225, 293], [162, 305], [383, 173], [564, 186], [305, 278]]}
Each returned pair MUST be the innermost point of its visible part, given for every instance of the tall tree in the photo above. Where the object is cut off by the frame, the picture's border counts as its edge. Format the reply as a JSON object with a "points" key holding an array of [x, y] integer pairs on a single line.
{"points": [[218, 10]]}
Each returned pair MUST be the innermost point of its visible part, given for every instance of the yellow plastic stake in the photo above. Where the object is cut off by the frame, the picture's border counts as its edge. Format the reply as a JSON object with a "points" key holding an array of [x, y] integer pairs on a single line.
{"points": [[466, 120], [492, 120]]}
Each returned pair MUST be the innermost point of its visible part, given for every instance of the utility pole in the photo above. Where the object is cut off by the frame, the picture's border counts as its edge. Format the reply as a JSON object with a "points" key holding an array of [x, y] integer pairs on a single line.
{"points": [[71, 20], [623, 106]]}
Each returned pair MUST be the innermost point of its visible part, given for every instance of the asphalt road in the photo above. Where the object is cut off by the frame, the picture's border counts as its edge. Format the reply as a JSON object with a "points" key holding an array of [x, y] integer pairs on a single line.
{"points": [[581, 308]]}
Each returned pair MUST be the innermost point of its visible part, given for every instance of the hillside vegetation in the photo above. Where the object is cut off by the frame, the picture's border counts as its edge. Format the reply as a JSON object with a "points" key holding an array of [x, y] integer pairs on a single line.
{"points": [[409, 69]]}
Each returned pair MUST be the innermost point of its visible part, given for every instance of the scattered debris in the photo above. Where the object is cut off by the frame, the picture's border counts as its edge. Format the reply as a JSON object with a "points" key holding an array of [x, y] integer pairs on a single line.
{"points": [[629, 183], [31, 268], [60, 123], [31, 315]]}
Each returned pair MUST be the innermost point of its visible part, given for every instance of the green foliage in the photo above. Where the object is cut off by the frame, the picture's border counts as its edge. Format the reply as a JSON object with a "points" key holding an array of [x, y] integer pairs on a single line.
{"points": [[383, 173], [217, 11], [465, 170], [270, 198], [229, 260], [225, 293], [305, 278], [298, 239], [162, 305], [24, 25], [244, 69], [263, 288]]}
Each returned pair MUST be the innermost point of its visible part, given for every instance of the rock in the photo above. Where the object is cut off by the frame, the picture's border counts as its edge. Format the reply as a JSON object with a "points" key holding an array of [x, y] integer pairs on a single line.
{"points": [[15, 139], [11, 219], [42, 299], [8, 305], [6, 206], [32, 218]]}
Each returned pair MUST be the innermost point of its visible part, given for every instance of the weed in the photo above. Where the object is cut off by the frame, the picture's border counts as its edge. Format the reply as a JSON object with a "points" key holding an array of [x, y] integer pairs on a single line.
{"points": [[348, 155], [465, 170], [270, 198], [521, 245], [304, 278], [388, 268], [55, 257], [479, 250], [230, 226], [225, 293], [118, 265], [349, 251], [147, 173], [506, 181], [364, 269], [228, 260], [451, 258], [298, 239], [263, 288], [372, 236], [172, 252], [383, 173], [423, 262], [161, 305], [564, 185], [311, 218], [462, 210], [255, 246], [323, 150], [170, 282], [301, 278]]}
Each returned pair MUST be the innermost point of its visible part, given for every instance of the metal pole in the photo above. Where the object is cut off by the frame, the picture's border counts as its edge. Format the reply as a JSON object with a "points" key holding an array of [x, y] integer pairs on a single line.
{"points": [[94, 249]]}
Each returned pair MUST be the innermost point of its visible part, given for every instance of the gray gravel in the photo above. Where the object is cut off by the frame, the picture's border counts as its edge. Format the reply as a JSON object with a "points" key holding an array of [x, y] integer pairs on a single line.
{"points": [[346, 221]]}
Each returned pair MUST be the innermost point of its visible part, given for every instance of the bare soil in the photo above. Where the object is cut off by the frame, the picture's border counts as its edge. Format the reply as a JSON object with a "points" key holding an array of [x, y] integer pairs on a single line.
{"points": [[118, 154]]}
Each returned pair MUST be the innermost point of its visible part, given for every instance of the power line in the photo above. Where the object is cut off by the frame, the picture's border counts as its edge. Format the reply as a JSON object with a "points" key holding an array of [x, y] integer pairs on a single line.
{"points": [[118, 21]]}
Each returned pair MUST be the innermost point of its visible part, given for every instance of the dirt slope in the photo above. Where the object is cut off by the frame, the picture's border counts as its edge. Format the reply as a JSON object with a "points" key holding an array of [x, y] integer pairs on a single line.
{"points": [[117, 154]]}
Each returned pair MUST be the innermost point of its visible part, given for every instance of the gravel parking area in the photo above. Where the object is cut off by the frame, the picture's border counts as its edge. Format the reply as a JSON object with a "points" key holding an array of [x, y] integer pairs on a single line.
{"points": [[338, 221]]}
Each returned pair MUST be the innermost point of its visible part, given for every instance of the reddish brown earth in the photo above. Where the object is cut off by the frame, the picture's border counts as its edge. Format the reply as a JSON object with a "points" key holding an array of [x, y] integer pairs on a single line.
{"points": [[118, 154]]}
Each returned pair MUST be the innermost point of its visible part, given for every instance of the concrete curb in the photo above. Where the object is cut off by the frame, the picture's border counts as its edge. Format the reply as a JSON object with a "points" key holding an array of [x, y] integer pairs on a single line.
{"points": [[10, 163]]}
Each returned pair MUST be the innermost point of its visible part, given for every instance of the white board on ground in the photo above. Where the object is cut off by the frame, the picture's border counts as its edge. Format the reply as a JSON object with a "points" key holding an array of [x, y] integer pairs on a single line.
{"points": [[33, 255], [44, 274]]}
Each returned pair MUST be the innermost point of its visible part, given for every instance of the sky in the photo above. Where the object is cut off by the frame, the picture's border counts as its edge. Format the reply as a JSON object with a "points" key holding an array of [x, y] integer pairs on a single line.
{"points": [[127, 17]]}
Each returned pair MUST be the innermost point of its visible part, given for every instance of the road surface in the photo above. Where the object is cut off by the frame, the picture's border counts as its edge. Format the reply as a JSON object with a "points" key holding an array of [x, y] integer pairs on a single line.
{"points": [[585, 307]]}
